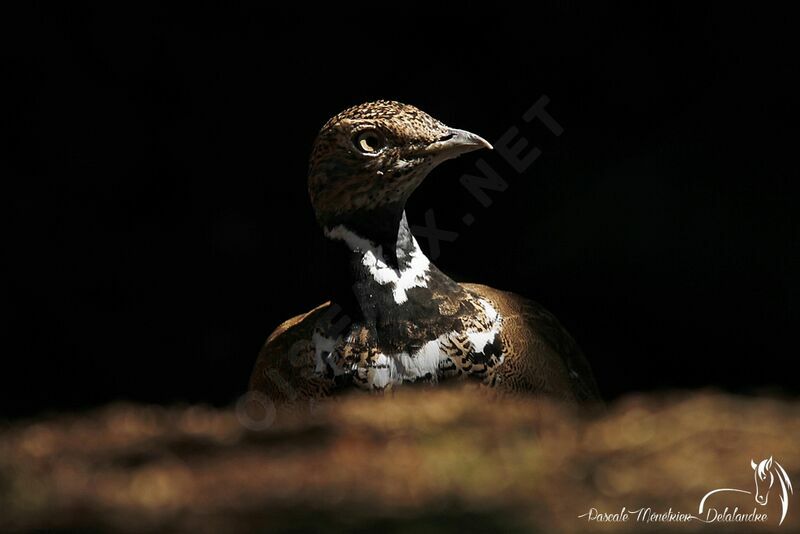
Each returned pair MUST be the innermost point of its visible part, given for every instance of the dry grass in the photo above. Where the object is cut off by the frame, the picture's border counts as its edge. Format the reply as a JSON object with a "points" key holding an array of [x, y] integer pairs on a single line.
{"points": [[427, 460]]}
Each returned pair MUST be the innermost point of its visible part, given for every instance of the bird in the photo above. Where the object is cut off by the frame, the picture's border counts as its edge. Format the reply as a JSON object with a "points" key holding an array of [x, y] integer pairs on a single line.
{"points": [[393, 318]]}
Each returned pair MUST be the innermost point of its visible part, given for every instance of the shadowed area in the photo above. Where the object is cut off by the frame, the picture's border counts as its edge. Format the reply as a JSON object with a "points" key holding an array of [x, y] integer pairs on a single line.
{"points": [[426, 460]]}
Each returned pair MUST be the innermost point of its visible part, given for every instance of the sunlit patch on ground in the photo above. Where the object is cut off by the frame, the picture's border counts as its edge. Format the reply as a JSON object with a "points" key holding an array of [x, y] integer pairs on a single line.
{"points": [[431, 460]]}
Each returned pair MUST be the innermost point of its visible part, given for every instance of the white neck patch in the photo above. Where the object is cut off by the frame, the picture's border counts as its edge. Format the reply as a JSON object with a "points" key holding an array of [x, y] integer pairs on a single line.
{"points": [[415, 275]]}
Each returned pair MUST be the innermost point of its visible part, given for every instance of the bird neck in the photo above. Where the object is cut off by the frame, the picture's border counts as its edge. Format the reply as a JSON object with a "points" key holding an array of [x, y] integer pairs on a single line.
{"points": [[385, 227], [385, 271]]}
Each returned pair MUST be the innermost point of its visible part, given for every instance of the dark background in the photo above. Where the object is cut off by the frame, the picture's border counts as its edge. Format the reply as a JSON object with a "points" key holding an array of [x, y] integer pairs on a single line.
{"points": [[156, 164]]}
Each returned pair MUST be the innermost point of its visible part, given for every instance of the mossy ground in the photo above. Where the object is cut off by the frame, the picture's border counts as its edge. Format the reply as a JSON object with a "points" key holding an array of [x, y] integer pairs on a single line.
{"points": [[424, 461]]}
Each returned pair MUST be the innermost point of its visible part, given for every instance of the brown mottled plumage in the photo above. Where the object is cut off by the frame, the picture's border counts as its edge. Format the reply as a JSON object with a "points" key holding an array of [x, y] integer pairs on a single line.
{"points": [[394, 318]]}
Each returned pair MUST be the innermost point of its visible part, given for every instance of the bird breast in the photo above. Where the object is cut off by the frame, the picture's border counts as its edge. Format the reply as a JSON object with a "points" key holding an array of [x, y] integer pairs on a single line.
{"points": [[472, 350]]}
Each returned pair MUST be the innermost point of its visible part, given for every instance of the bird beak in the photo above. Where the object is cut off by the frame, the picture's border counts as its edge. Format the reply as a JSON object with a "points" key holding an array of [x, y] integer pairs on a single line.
{"points": [[455, 143]]}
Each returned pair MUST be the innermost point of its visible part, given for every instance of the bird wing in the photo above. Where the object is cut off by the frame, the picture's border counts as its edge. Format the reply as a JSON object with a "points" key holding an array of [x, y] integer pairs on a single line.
{"points": [[541, 354], [284, 370]]}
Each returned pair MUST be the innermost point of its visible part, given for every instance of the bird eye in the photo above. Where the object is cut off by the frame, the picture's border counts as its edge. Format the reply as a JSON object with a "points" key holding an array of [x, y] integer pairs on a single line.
{"points": [[369, 142]]}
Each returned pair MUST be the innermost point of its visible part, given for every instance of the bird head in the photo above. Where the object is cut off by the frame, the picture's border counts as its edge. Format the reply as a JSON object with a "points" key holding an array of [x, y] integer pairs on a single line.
{"points": [[371, 157]]}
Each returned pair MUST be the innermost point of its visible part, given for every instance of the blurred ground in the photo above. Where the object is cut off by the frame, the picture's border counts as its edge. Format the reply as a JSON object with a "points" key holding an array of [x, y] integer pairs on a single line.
{"points": [[427, 460]]}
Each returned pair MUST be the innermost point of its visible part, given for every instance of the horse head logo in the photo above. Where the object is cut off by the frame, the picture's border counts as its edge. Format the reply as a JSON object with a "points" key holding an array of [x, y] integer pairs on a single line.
{"points": [[766, 473], [764, 479]]}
